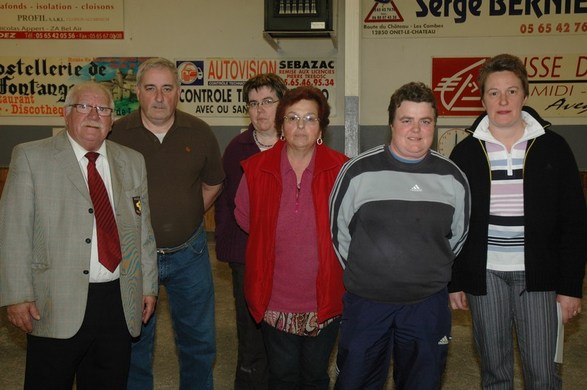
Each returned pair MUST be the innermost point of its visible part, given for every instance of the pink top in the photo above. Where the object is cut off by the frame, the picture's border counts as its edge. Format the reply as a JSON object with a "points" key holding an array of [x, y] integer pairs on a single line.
{"points": [[296, 248]]}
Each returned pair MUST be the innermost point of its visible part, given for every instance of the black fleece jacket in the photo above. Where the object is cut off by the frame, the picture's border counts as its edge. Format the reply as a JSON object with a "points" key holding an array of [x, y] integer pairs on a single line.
{"points": [[555, 216]]}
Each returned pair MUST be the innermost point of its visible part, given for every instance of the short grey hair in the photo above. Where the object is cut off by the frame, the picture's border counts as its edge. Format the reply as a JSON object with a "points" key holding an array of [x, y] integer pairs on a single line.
{"points": [[74, 92], [157, 63]]}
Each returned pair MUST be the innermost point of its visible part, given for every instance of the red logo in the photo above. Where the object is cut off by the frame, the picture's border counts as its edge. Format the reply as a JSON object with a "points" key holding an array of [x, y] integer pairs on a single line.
{"points": [[189, 73], [454, 81], [384, 11]]}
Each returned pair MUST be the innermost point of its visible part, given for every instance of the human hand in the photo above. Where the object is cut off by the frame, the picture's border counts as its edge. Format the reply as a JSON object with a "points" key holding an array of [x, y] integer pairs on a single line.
{"points": [[570, 307], [149, 303], [21, 315], [458, 300]]}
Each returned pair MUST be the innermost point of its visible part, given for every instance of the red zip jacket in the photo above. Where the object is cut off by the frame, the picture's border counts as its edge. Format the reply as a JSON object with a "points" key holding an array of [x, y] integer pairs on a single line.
{"points": [[264, 182]]}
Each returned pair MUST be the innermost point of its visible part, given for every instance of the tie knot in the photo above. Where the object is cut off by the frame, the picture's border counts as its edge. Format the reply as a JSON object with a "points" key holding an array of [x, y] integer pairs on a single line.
{"points": [[92, 156]]}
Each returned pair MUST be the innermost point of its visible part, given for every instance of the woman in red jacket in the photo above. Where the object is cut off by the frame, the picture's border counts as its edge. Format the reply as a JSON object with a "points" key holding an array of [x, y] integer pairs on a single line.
{"points": [[293, 281]]}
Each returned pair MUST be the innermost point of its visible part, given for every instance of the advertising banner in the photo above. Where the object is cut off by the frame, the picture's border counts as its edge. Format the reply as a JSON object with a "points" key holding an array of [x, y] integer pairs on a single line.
{"points": [[63, 19], [472, 18], [213, 87], [558, 85], [31, 86]]}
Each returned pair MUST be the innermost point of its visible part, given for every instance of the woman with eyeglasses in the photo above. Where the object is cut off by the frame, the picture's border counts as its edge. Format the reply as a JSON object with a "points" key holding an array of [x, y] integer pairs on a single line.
{"points": [[261, 93], [293, 281]]}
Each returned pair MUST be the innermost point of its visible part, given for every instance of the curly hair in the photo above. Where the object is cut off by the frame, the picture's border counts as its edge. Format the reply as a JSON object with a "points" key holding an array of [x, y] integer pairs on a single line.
{"points": [[293, 96], [414, 91]]}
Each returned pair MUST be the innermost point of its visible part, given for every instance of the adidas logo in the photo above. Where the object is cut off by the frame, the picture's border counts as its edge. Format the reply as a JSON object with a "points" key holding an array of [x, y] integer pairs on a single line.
{"points": [[444, 341], [416, 188]]}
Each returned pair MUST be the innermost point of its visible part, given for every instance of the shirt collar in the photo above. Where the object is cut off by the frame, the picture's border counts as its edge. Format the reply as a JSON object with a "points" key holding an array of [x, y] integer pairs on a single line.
{"points": [[80, 152], [533, 129]]}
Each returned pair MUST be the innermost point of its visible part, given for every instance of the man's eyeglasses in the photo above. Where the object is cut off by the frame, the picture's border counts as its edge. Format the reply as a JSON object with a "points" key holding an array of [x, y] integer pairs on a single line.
{"points": [[262, 103], [86, 109], [309, 119]]}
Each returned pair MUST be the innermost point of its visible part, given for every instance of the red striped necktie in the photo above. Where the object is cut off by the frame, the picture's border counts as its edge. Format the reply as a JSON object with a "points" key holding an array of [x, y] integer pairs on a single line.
{"points": [[109, 253]]}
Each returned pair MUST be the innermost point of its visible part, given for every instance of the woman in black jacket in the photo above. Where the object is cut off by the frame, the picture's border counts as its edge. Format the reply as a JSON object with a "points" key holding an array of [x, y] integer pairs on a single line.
{"points": [[525, 253]]}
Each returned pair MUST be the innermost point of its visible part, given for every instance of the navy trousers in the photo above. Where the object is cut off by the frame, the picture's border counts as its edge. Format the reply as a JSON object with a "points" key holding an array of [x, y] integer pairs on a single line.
{"points": [[415, 335]]}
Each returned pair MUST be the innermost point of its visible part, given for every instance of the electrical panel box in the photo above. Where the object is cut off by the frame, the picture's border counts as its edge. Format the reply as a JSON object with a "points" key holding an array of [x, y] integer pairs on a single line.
{"points": [[298, 16]]}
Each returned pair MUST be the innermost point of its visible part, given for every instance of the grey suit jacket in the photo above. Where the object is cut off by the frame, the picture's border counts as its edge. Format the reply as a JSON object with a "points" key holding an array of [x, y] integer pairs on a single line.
{"points": [[46, 230]]}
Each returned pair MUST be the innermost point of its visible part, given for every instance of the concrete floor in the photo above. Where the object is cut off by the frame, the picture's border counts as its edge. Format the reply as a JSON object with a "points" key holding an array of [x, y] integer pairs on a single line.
{"points": [[462, 371]]}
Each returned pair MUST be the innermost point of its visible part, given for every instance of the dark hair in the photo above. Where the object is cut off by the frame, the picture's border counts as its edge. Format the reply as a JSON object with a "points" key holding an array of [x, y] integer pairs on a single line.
{"points": [[270, 80], [293, 96], [414, 91], [157, 63], [501, 63]]}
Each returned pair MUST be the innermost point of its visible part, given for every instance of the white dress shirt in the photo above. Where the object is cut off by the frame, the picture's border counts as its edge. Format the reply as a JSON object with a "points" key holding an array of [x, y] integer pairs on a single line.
{"points": [[98, 273]]}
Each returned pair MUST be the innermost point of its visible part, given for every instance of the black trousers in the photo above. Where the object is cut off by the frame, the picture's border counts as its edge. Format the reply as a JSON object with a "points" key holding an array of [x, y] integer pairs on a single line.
{"points": [[252, 372], [97, 356]]}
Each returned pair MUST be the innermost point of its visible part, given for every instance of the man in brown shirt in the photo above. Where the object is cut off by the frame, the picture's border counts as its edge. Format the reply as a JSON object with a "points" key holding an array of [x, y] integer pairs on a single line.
{"points": [[185, 176]]}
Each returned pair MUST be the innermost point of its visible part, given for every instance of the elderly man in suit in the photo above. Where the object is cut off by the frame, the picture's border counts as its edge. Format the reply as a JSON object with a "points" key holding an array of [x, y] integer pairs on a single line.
{"points": [[77, 253]]}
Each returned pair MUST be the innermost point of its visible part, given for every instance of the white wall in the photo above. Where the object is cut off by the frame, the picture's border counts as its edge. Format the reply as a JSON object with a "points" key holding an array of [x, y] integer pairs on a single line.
{"points": [[233, 28]]}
